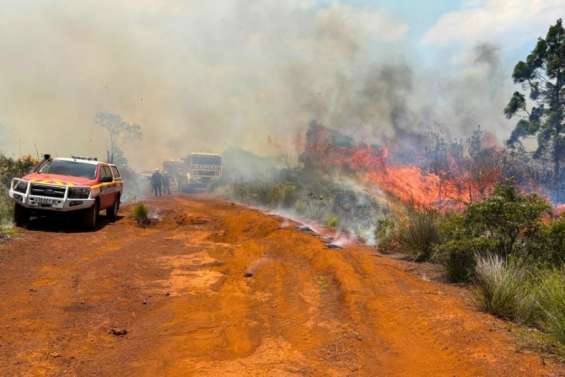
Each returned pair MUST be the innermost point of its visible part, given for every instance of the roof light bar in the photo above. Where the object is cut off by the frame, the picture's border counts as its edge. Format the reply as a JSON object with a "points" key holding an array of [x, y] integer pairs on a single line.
{"points": [[84, 158]]}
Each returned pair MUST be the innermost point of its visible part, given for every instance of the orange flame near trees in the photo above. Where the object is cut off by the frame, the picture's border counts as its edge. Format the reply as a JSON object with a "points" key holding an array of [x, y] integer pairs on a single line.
{"points": [[452, 188]]}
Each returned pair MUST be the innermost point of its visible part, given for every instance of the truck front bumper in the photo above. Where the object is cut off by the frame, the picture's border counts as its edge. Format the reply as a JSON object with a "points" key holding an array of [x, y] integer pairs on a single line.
{"points": [[44, 203]]}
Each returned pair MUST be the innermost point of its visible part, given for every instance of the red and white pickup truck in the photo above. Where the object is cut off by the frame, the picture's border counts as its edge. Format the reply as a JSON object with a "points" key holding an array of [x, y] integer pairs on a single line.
{"points": [[70, 185]]}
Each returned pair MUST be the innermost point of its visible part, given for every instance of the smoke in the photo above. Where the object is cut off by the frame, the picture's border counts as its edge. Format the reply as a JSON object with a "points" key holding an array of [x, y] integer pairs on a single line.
{"points": [[195, 75], [214, 75], [4, 137]]}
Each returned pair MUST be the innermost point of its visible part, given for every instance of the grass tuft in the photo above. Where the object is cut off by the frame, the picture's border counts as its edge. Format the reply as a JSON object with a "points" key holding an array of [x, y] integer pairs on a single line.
{"points": [[141, 214], [420, 234], [332, 221], [7, 231], [500, 287]]}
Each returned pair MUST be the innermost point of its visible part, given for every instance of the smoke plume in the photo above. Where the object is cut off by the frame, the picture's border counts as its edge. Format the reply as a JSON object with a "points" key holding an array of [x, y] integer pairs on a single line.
{"points": [[214, 75]]}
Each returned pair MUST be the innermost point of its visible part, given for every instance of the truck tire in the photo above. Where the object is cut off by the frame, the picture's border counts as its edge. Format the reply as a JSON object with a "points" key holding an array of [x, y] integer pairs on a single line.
{"points": [[90, 217], [21, 215], [112, 212]]}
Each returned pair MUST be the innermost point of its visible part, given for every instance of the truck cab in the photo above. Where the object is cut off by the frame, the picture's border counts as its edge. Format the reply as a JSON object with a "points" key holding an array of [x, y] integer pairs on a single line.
{"points": [[77, 185], [203, 168]]}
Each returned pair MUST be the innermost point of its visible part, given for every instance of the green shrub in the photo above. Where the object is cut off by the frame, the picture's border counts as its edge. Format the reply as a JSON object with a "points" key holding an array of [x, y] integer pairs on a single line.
{"points": [[549, 246], [141, 214], [508, 218], [507, 224], [458, 260], [11, 168]]}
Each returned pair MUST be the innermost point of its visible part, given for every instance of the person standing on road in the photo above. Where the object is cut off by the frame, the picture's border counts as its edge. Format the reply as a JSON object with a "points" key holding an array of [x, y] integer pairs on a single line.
{"points": [[166, 184], [156, 183]]}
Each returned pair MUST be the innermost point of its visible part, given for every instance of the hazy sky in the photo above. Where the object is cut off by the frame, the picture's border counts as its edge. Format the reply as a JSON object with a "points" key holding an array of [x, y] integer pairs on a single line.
{"points": [[206, 75]]}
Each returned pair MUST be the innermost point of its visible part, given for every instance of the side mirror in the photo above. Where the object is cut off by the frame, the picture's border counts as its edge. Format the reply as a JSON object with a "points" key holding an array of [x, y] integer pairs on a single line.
{"points": [[107, 179]]}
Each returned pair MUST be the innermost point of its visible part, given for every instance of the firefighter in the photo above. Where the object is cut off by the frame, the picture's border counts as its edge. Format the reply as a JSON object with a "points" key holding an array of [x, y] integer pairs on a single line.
{"points": [[157, 183], [166, 184]]}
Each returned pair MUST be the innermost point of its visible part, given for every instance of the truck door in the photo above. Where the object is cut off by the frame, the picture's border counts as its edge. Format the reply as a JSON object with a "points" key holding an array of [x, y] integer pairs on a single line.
{"points": [[107, 189]]}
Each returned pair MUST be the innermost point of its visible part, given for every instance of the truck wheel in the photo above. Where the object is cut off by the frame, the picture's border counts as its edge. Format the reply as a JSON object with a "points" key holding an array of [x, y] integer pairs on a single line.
{"points": [[21, 215], [90, 217], [112, 212]]}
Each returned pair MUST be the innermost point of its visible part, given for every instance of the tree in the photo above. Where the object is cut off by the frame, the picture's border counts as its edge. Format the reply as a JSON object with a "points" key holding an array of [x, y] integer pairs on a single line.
{"points": [[118, 130], [543, 112]]}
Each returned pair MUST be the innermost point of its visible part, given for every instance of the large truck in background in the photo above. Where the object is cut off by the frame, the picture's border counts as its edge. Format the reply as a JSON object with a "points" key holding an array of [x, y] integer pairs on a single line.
{"points": [[195, 172]]}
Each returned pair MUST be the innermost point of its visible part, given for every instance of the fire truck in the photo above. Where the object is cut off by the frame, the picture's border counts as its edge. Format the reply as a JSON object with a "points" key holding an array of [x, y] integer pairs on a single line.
{"points": [[196, 172], [77, 185]]}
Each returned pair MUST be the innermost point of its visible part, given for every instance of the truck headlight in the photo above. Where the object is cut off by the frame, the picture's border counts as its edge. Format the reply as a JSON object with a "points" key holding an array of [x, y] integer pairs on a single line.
{"points": [[79, 192], [21, 186]]}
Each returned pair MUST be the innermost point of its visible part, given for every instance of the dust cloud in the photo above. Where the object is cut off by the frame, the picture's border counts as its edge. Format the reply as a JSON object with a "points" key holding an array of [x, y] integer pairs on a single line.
{"points": [[215, 75]]}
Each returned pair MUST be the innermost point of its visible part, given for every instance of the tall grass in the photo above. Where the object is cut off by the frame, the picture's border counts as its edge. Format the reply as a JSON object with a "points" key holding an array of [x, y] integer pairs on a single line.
{"points": [[419, 234], [6, 214], [6, 207], [550, 298], [509, 290], [501, 287]]}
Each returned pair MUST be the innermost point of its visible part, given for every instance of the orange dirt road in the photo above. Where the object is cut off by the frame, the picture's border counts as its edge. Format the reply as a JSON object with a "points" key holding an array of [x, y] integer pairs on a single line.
{"points": [[172, 300]]}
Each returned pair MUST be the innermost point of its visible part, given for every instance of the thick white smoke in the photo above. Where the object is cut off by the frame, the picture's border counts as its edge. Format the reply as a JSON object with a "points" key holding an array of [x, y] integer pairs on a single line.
{"points": [[196, 75], [210, 75]]}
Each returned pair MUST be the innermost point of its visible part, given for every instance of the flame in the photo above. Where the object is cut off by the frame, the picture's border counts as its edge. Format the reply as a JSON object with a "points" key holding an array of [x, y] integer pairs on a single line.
{"points": [[452, 187]]}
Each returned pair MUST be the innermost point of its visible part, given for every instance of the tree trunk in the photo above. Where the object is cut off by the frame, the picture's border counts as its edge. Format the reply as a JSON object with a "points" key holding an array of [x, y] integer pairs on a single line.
{"points": [[558, 147], [557, 181]]}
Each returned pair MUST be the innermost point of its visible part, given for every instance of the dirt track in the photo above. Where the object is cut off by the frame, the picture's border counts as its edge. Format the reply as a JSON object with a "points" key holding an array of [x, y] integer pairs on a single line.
{"points": [[180, 292]]}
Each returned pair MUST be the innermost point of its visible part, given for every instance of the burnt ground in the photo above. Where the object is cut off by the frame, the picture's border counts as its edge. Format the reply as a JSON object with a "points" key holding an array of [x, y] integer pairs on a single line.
{"points": [[215, 289]]}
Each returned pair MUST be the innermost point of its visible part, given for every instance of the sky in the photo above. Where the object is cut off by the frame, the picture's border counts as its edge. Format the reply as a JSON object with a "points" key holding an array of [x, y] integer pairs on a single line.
{"points": [[211, 75], [441, 27]]}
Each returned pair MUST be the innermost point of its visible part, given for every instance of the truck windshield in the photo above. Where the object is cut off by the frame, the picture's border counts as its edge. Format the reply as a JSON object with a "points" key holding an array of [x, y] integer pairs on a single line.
{"points": [[70, 168], [206, 160]]}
